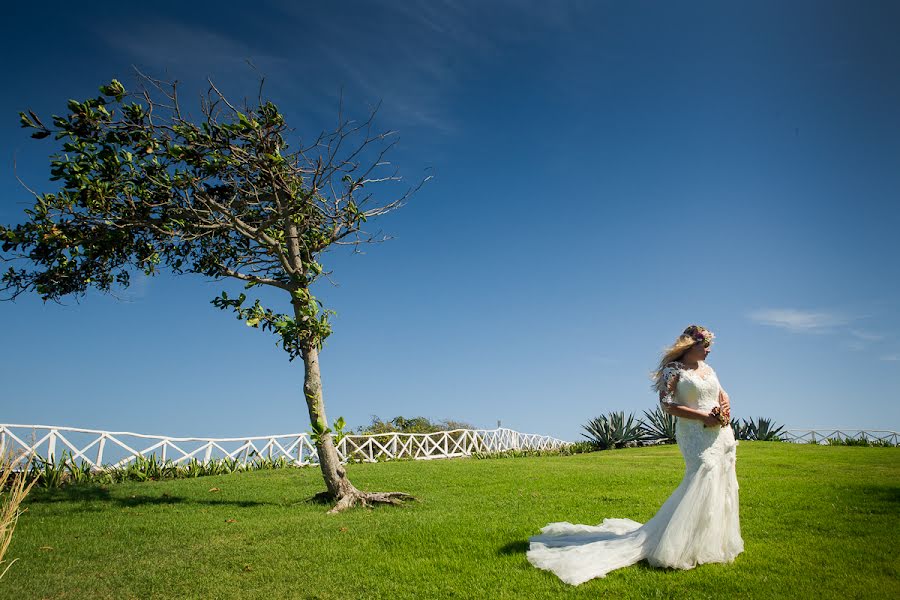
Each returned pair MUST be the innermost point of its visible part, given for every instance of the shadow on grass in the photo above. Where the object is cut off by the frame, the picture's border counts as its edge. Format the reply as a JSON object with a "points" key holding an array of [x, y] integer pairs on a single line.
{"points": [[878, 494], [517, 547], [321, 499], [93, 493]]}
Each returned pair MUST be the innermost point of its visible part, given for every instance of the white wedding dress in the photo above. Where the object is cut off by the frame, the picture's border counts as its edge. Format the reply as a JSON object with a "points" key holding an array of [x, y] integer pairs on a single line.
{"points": [[697, 524]]}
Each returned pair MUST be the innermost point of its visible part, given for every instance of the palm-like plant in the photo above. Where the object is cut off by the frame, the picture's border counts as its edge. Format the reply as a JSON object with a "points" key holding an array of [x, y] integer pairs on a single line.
{"points": [[659, 426], [613, 430]]}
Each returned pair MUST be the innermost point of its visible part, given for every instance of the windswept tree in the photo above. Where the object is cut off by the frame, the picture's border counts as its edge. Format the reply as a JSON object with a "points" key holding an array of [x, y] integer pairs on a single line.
{"points": [[142, 186]]}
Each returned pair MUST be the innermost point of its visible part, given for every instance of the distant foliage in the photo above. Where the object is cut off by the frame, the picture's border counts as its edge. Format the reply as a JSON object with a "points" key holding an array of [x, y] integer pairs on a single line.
{"points": [[410, 425]]}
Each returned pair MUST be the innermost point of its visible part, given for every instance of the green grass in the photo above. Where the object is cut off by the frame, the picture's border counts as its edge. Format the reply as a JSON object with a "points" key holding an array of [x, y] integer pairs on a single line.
{"points": [[817, 522]]}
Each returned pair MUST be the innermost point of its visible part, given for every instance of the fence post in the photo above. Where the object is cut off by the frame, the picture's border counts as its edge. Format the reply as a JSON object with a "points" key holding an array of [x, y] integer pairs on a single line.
{"points": [[51, 446], [100, 450]]}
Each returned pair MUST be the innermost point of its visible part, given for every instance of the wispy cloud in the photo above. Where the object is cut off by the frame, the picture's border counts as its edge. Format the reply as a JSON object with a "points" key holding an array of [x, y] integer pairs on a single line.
{"points": [[800, 321], [866, 336], [414, 56], [863, 340], [189, 49], [824, 321]]}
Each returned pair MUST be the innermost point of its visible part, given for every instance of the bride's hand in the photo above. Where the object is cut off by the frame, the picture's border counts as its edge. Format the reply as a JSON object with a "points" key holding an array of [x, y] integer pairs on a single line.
{"points": [[725, 403], [711, 420]]}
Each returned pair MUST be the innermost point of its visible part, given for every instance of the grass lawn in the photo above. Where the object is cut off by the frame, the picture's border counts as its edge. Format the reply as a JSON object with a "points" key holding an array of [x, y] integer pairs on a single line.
{"points": [[817, 522]]}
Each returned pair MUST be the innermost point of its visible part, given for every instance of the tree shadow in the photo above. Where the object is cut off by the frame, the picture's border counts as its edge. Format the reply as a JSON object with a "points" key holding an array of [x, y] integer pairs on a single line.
{"points": [[94, 493], [321, 498], [69, 493], [516, 547], [883, 493]]}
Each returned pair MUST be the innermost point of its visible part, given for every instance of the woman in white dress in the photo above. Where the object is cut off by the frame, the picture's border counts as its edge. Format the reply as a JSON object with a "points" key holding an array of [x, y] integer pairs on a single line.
{"points": [[699, 521]]}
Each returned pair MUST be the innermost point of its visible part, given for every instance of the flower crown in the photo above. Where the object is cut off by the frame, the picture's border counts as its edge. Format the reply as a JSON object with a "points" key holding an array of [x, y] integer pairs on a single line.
{"points": [[700, 334]]}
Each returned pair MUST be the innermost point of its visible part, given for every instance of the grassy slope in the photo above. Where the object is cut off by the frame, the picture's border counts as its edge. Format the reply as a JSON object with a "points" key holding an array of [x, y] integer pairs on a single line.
{"points": [[816, 521]]}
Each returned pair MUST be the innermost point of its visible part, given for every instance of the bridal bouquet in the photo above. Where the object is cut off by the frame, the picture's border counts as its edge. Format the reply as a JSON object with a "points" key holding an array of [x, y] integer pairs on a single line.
{"points": [[723, 415]]}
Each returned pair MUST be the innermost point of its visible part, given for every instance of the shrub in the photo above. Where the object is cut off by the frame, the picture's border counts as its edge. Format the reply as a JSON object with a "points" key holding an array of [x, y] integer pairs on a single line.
{"points": [[562, 451], [860, 441], [581, 447]]}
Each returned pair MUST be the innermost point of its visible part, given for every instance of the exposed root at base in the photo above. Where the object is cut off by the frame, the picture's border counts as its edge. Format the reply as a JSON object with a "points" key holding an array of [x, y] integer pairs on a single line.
{"points": [[359, 498]]}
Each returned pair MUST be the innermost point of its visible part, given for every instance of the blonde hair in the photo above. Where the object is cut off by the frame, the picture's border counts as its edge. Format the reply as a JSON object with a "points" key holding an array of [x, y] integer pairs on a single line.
{"points": [[685, 342]]}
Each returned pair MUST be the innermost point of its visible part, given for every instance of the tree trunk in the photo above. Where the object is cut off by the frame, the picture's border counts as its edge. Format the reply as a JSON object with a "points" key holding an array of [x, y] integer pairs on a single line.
{"points": [[334, 473]]}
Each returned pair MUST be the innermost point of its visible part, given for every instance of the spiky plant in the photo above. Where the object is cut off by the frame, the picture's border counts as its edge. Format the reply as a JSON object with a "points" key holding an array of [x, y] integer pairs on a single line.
{"points": [[762, 430], [48, 473], [613, 430], [659, 426]]}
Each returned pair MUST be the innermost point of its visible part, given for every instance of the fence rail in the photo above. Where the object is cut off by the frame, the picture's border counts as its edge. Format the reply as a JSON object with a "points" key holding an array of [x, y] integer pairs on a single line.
{"points": [[103, 449], [822, 436]]}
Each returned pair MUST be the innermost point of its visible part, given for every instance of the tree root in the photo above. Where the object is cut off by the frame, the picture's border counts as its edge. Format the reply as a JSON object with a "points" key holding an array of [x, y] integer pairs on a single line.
{"points": [[368, 499]]}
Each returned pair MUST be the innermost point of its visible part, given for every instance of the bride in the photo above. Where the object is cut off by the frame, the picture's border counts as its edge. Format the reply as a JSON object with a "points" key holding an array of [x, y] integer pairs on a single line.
{"points": [[699, 522]]}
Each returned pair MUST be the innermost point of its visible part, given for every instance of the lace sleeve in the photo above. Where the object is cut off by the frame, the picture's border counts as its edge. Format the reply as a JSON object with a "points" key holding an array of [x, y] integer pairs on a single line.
{"points": [[668, 380]]}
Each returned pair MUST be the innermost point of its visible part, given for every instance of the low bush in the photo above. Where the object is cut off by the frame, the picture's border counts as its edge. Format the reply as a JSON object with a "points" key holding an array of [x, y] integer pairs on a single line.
{"points": [[66, 471], [860, 441]]}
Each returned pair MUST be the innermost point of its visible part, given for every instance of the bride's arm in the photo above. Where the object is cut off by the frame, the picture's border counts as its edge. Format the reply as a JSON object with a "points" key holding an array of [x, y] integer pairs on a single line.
{"points": [[686, 412]]}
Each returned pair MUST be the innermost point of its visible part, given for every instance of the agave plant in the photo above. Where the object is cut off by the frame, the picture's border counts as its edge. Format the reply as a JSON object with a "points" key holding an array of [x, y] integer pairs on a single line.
{"points": [[762, 430], [659, 426], [613, 430], [78, 473], [232, 464], [49, 473], [194, 468]]}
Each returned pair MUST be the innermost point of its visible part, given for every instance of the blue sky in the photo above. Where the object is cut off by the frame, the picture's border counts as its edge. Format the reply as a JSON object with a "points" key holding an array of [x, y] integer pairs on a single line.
{"points": [[605, 174]]}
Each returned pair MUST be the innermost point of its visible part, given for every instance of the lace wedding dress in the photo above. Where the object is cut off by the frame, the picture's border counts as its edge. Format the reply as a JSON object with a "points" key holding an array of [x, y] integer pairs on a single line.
{"points": [[697, 524]]}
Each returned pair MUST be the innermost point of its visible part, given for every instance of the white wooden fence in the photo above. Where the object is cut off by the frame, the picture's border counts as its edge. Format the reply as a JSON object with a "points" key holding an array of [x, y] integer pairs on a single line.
{"points": [[102, 449]]}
